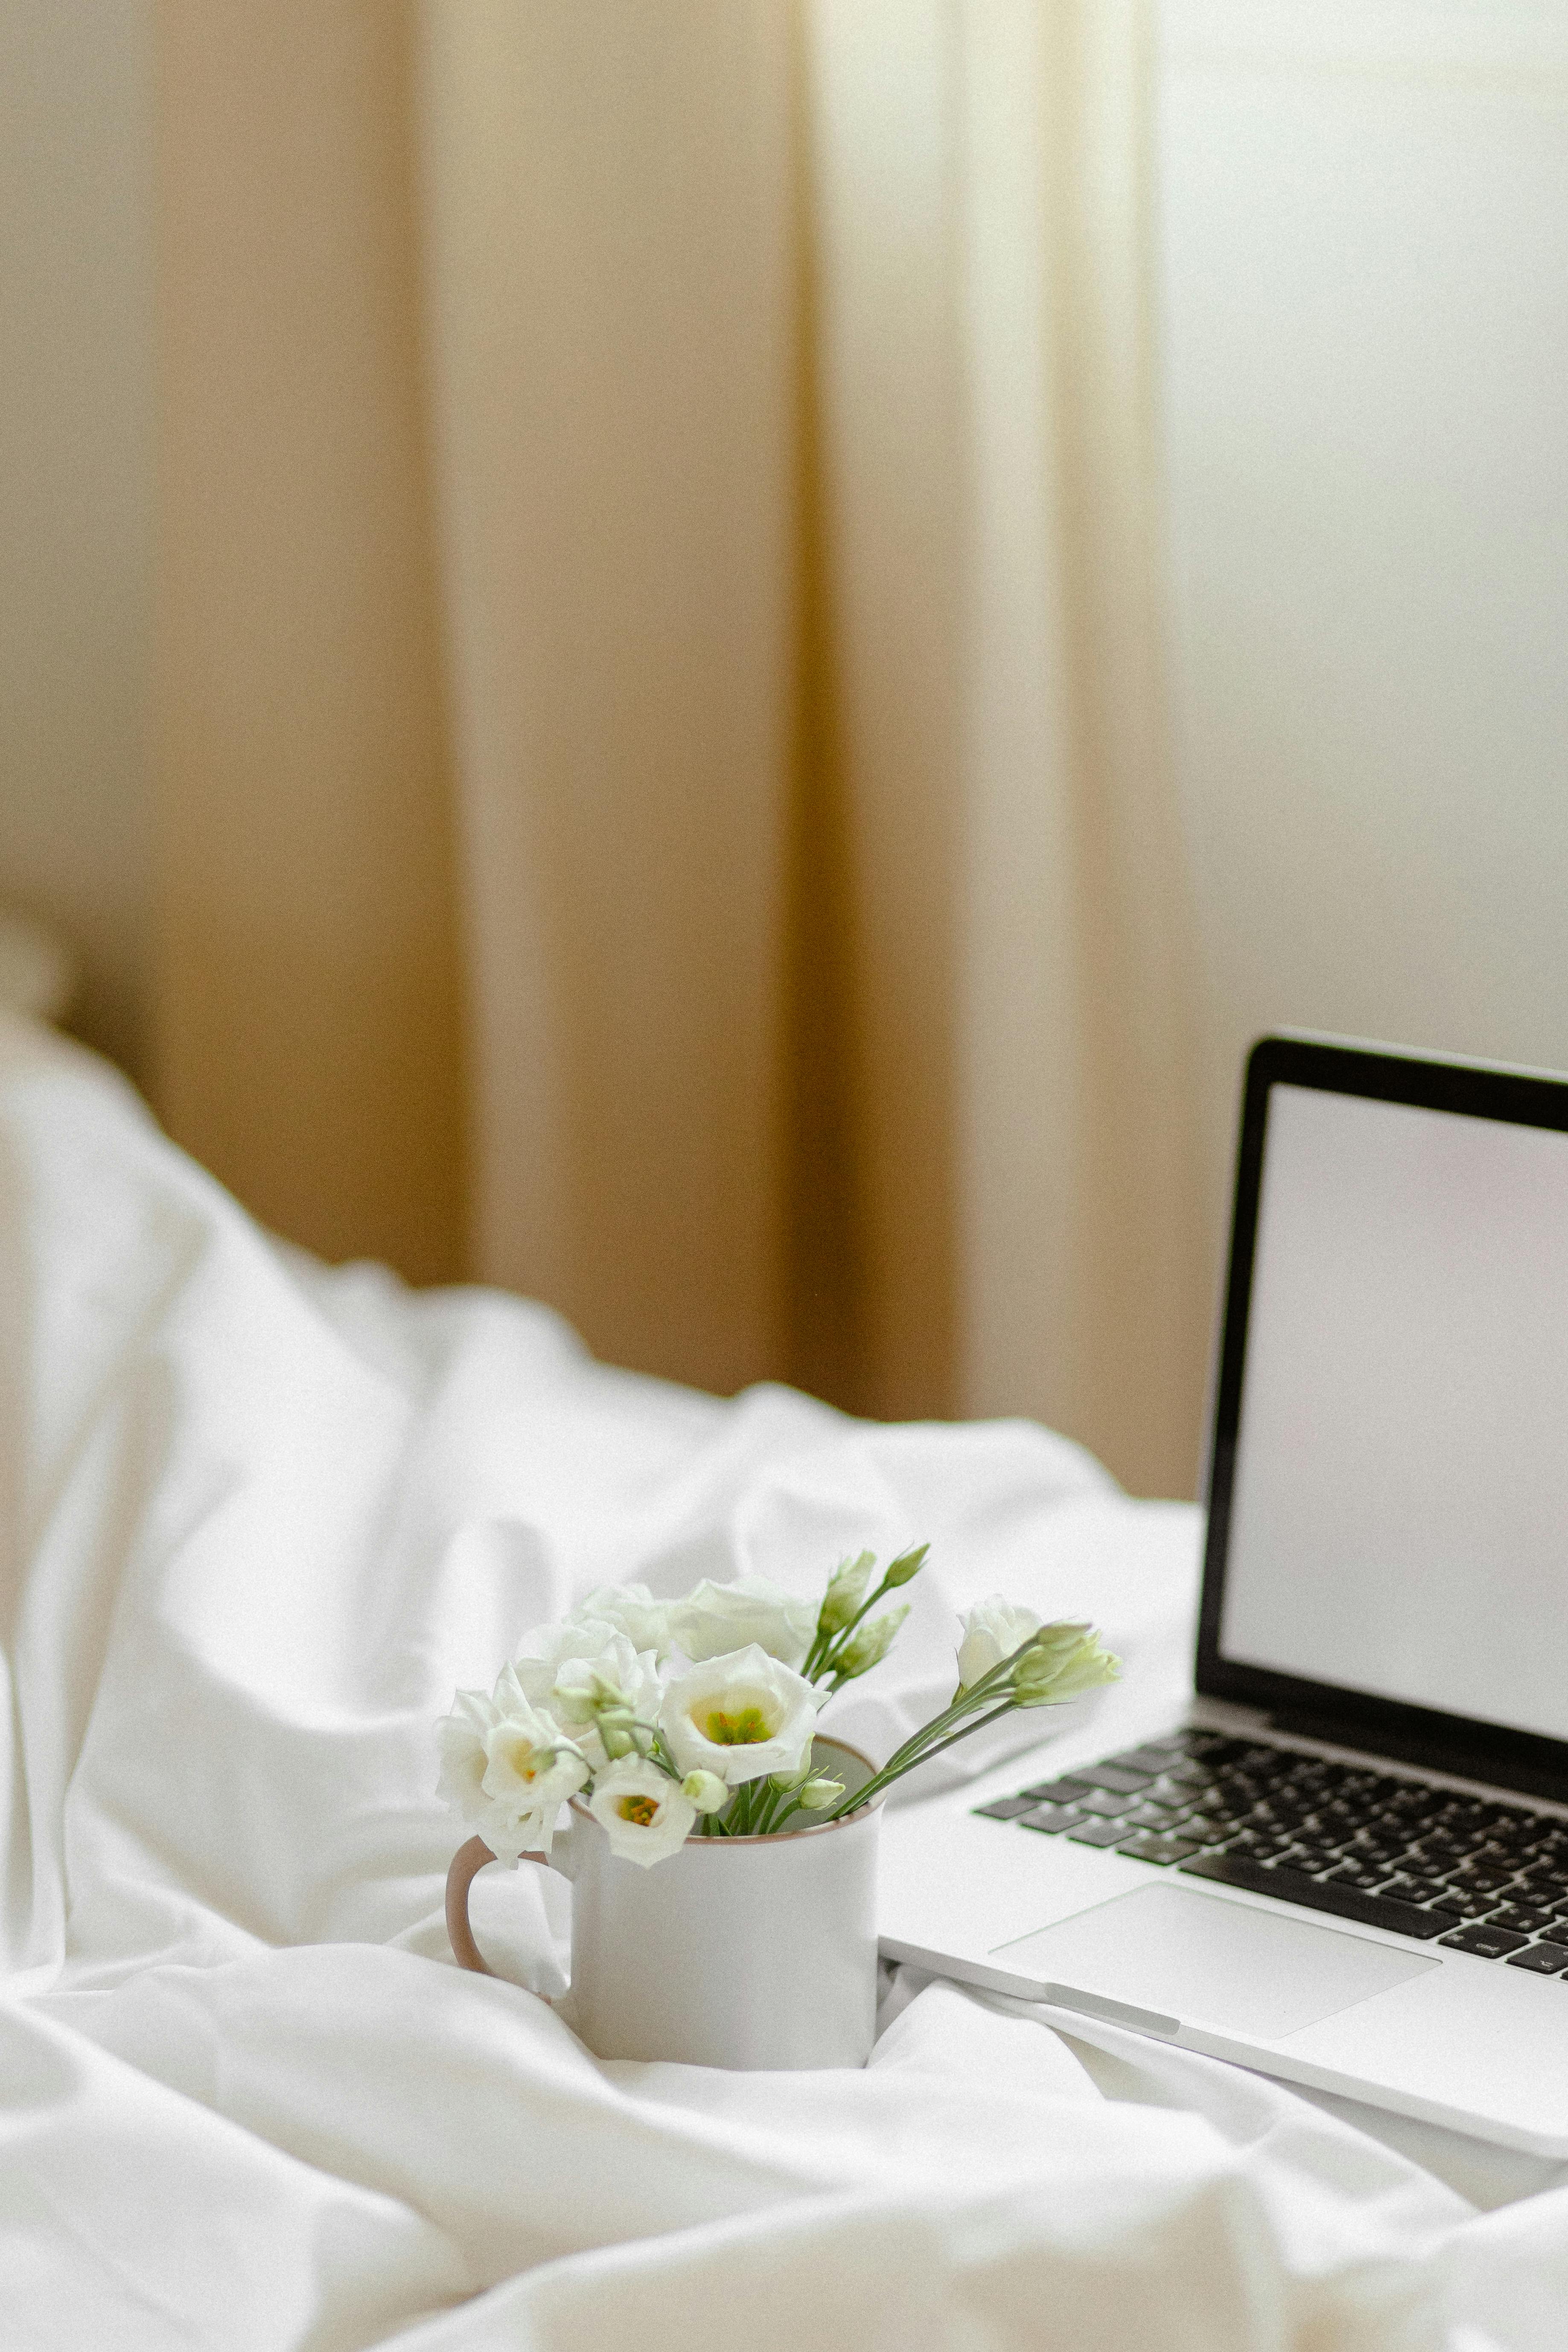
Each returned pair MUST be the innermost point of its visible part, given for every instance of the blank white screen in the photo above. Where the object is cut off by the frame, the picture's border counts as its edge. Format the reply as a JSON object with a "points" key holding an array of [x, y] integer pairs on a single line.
{"points": [[1399, 1513]]}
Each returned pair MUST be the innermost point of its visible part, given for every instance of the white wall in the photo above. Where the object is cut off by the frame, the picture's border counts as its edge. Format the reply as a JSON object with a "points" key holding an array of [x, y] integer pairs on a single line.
{"points": [[1364, 282], [75, 483]]}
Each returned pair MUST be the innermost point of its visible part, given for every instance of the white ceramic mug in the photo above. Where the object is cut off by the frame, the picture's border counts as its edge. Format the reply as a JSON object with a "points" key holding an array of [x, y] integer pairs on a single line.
{"points": [[734, 1951]]}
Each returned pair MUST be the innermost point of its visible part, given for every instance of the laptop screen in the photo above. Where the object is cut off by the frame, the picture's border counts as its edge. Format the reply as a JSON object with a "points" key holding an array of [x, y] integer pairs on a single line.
{"points": [[1394, 1486]]}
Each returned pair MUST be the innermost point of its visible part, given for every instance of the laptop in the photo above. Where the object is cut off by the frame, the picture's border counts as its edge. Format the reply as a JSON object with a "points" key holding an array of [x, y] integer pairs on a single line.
{"points": [[1344, 1862]]}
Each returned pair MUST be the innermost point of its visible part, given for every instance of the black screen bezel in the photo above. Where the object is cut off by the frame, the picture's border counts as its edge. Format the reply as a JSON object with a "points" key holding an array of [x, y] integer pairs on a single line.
{"points": [[1446, 1743]]}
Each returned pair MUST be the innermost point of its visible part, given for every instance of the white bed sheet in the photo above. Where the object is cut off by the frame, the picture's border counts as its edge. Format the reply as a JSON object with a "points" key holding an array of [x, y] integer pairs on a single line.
{"points": [[259, 1519]]}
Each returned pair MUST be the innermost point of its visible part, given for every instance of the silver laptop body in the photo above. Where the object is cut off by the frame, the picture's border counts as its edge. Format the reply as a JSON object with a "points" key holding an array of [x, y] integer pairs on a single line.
{"points": [[1345, 1862]]}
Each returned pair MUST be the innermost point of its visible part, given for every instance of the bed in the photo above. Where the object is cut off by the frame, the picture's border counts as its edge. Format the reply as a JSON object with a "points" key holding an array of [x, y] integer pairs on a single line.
{"points": [[261, 1518]]}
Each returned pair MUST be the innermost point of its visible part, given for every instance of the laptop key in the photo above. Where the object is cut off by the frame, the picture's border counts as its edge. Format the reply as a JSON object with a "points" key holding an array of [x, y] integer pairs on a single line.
{"points": [[1098, 1833], [1317, 1895], [1455, 1908], [1116, 1778], [1052, 1818], [1106, 1803], [1163, 1851], [1060, 1791], [1523, 1918], [1356, 1874], [1004, 1809], [1408, 1889], [1148, 1816], [1251, 1846], [1488, 1943], [1541, 1959], [1476, 1878]]}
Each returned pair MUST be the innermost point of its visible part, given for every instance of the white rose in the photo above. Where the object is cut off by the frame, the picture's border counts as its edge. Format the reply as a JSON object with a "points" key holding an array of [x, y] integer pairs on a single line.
{"points": [[742, 1716], [631, 1610], [992, 1632], [530, 1769], [716, 1619], [644, 1813]]}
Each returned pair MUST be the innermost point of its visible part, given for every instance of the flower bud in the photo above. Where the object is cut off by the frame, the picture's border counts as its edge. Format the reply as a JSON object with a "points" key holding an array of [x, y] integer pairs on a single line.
{"points": [[817, 1795], [1062, 1662], [1087, 1673], [845, 1591], [705, 1790], [908, 1564], [871, 1642]]}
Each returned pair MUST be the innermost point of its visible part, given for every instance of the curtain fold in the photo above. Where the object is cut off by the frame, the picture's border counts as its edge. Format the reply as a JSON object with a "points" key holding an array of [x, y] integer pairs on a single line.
{"points": [[610, 291], [727, 597], [307, 1029], [1024, 1002], [1084, 1277]]}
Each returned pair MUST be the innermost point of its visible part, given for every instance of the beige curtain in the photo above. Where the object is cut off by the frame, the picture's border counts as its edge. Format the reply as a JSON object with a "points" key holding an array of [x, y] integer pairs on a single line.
{"points": [[306, 1029], [661, 527]]}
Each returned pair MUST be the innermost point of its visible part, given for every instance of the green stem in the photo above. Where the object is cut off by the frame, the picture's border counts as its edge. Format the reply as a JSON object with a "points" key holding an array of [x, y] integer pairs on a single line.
{"points": [[896, 1767], [967, 1703], [763, 1812], [808, 1664], [655, 1752], [978, 1694]]}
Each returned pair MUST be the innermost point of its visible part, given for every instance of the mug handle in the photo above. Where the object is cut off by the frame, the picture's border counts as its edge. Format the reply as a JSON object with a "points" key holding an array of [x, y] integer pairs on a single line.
{"points": [[466, 1866]]}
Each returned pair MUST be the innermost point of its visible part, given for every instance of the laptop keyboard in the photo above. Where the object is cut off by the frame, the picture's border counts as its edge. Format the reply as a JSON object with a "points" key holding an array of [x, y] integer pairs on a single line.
{"points": [[1430, 1864]]}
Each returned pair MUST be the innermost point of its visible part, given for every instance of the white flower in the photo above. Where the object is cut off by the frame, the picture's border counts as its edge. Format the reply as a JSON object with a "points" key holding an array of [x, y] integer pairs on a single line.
{"points": [[715, 1619], [506, 1768], [530, 1769], [598, 1699], [644, 1813], [741, 1716], [461, 1738], [992, 1632], [549, 1647], [631, 1610]]}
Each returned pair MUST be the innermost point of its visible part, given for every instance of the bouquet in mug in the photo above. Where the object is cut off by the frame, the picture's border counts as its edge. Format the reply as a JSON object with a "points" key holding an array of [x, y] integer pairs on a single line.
{"points": [[671, 1718]]}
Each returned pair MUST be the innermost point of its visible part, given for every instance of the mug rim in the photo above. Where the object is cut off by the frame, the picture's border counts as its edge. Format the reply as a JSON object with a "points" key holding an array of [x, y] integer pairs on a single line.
{"points": [[769, 1837]]}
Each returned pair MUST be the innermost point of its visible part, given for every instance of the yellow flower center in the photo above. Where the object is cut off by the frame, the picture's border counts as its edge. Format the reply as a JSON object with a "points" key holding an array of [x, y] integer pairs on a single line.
{"points": [[644, 1811], [521, 1754], [743, 1729]]}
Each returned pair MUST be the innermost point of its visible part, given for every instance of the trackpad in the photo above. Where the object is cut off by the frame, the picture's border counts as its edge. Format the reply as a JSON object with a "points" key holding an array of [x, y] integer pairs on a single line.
{"points": [[1177, 1956]]}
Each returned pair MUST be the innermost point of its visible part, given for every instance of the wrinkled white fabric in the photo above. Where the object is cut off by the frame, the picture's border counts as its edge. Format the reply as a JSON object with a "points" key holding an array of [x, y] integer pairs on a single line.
{"points": [[259, 1520]]}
